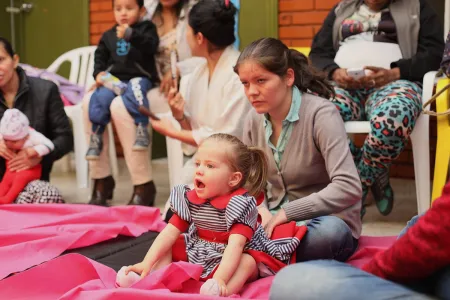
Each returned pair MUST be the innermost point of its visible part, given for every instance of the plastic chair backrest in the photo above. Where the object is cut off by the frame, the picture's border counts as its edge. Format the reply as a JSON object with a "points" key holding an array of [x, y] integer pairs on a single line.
{"points": [[81, 65]]}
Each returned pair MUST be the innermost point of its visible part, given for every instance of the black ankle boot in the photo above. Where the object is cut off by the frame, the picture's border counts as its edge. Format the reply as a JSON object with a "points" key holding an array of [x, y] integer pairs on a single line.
{"points": [[102, 191], [144, 194]]}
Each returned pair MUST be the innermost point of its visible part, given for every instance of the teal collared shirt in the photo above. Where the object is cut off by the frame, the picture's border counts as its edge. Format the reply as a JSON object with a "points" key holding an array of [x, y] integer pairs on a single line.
{"points": [[288, 125], [285, 135]]}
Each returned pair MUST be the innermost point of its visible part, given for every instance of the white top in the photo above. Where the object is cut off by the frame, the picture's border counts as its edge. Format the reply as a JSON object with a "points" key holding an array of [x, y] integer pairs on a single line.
{"points": [[38, 141], [219, 106], [183, 49]]}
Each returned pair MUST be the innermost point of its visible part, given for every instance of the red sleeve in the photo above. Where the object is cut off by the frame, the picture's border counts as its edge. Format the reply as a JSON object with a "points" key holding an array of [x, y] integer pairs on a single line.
{"points": [[423, 250], [242, 229], [179, 223]]}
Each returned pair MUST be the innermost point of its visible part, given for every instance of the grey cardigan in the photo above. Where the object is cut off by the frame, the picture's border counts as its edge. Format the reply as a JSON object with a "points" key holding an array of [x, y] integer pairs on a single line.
{"points": [[317, 171]]}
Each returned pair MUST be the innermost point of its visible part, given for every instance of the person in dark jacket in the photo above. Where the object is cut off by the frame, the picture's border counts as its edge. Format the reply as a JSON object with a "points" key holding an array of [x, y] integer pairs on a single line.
{"points": [[377, 52], [40, 101], [127, 52]]}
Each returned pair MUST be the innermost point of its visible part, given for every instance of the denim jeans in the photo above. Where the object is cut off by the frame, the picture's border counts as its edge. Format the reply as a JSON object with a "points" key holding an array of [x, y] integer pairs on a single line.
{"points": [[328, 237], [329, 279]]}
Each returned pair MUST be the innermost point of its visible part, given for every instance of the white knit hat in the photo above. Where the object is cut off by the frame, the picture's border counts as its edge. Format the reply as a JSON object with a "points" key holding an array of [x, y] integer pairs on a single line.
{"points": [[14, 125]]}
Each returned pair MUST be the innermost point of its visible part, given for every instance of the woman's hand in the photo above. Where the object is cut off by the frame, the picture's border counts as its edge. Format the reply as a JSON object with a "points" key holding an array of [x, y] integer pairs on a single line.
{"points": [[176, 103], [141, 268], [278, 219], [5, 152], [167, 83], [98, 81], [120, 30], [23, 162], [164, 126], [341, 77], [265, 214], [380, 76]]}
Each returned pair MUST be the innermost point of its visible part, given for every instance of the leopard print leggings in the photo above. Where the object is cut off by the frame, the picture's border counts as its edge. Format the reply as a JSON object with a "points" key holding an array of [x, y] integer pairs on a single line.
{"points": [[392, 111]]}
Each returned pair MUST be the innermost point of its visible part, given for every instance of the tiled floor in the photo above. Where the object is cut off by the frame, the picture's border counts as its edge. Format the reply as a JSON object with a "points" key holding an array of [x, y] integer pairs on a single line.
{"points": [[374, 224]]}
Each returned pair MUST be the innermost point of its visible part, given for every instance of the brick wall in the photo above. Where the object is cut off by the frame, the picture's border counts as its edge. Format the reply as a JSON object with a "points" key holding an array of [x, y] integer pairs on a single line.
{"points": [[101, 19], [299, 21]]}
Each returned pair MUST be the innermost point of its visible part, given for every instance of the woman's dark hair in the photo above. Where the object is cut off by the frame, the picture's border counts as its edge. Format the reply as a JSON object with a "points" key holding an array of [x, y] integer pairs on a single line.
{"points": [[277, 58], [7, 45], [215, 20], [140, 3]]}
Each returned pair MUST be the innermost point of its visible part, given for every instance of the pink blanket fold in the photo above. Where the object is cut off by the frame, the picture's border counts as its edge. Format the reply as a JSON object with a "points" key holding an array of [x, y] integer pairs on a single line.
{"points": [[74, 276], [35, 233]]}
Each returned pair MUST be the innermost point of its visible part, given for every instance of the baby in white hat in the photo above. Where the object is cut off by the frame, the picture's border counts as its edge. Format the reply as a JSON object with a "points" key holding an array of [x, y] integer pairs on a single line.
{"points": [[17, 134]]}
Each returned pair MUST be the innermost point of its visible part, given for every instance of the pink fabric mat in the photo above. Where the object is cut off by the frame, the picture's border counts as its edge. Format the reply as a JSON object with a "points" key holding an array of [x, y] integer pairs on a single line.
{"points": [[74, 276], [31, 234]]}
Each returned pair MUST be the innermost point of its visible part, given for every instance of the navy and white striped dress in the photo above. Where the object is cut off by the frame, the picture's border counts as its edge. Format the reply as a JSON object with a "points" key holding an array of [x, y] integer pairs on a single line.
{"points": [[234, 213]]}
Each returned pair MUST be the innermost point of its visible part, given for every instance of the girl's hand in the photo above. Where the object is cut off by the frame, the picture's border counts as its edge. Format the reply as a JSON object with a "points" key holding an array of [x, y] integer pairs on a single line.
{"points": [[278, 219], [164, 126], [98, 81], [140, 268], [176, 103], [222, 287]]}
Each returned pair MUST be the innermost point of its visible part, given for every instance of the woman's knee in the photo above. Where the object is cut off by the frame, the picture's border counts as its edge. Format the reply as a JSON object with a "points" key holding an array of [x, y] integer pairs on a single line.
{"points": [[315, 278], [117, 106], [158, 102]]}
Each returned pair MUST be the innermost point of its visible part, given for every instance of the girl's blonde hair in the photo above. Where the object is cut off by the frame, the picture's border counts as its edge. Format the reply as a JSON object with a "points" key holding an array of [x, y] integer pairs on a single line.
{"points": [[250, 161]]}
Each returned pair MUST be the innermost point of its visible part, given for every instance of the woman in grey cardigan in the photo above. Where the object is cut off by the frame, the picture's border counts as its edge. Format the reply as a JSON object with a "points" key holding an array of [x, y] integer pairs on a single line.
{"points": [[312, 177]]}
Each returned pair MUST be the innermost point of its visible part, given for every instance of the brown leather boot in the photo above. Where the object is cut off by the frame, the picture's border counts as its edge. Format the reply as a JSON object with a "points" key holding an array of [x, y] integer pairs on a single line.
{"points": [[102, 191], [144, 194]]}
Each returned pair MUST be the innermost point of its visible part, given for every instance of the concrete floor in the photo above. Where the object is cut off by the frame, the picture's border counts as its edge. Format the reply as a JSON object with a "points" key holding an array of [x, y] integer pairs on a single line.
{"points": [[374, 224]]}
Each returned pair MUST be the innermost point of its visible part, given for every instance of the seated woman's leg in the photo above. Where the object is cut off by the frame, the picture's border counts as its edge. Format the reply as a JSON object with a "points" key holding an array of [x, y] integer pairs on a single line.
{"points": [[99, 170], [392, 111], [334, 280], [138, 162], [158, 102], [328, 237], [351, 108]]}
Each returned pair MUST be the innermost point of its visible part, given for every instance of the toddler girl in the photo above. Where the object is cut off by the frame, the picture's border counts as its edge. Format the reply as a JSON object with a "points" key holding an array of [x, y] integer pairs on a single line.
{"points": [[220, 217]]}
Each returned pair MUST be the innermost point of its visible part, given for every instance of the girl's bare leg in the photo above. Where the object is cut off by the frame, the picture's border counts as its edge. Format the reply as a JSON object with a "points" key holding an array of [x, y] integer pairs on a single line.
{"points": [[247, 271]]}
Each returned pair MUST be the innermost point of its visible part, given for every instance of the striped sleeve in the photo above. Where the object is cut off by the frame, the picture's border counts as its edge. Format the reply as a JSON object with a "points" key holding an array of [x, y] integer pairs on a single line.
{"points": [[241, 216], [180, 208]]}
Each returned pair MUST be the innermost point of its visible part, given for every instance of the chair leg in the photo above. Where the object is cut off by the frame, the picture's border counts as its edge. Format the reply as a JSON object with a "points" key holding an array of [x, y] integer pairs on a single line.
{"points": [[421, 154], [80, 147], [112, 151]]}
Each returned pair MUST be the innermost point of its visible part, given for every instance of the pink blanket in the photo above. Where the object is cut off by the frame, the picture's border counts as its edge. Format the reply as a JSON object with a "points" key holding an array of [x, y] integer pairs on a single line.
{"points": [[35, 233]]}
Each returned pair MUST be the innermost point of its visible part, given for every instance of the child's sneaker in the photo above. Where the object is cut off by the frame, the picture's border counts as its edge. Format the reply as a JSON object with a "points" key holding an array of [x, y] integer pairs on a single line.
{"points": [[95, 147], [142, 138]]}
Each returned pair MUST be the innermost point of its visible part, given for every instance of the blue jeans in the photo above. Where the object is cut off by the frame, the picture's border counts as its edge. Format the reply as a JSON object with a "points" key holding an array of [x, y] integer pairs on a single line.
{"points": [[135, 95], [327, 237], [328, 279]]}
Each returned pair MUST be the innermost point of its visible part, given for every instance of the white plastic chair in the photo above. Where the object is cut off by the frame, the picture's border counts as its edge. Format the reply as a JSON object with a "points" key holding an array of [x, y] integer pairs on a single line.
{"points": [[81, 69], [175, 157], [420, 145]]}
